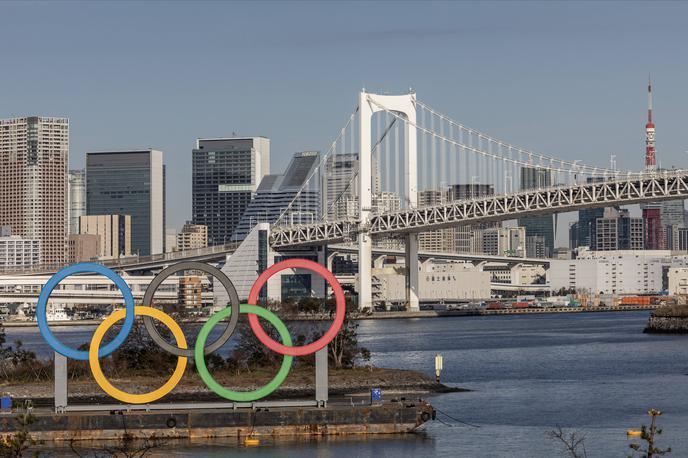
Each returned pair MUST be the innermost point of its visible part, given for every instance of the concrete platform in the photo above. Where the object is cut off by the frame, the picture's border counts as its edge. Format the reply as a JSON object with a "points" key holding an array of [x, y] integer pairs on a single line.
{"points": [[383, 418]]}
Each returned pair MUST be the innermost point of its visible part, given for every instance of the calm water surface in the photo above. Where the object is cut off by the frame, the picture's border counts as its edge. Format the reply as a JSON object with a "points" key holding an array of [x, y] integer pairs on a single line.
{"points": [[595, 373]]}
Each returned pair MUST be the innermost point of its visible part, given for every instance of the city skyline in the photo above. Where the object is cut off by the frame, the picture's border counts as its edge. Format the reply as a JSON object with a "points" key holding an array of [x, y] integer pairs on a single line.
{"points": [[601, 112]]}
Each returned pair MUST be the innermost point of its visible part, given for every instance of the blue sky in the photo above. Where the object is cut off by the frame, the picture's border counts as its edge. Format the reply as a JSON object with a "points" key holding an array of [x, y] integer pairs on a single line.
{"points": [[563, 78]]}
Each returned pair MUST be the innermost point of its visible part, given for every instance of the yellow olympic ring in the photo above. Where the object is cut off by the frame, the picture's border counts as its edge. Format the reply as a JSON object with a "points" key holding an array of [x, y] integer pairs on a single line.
{"points": [[105, 384]]}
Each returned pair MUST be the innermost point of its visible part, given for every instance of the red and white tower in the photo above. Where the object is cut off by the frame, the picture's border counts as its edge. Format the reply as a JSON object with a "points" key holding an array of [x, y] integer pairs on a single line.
{"points": [[652, 212], [650, 159]]}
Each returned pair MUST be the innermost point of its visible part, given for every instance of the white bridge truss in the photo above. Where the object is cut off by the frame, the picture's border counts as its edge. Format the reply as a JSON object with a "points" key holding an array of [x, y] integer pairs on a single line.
{"points": [[650, 187]]}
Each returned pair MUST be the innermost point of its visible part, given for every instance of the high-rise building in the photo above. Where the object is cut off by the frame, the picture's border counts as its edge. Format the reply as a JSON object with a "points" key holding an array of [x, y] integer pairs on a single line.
{"points": [[503, 241], [586, 221], [340, 186], [34, 153], [293, 196], [680, 239], [671, 213], [542, 225], [192, 236], [77, 198], [130, 183], [440, 240], [618, 231], [574, 241], [653, 229], [386, 202], [226, 174], [536, 246], [114, 233], [463, 235]]}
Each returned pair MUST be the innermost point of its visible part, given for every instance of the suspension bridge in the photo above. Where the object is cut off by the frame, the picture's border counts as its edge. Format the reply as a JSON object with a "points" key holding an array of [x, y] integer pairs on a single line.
{"points": [[399, 168]]}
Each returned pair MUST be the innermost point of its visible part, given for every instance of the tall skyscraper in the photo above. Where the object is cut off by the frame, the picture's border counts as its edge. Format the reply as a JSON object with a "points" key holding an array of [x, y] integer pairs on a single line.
{"points": [[586, 222], [226, 173], [34, 154], [291, 193], [465, 235], [77, 198], [130, 183], [534, 178], [340, 186]]}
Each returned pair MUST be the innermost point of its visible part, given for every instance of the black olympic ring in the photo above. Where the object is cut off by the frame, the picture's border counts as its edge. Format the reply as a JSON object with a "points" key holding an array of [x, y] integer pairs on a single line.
{"points": [[233, 301]]}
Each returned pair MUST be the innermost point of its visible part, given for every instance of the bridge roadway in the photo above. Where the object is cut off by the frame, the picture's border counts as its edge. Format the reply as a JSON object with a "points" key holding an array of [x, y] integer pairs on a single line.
{"points": [[215, 254], [635, 188], [145, 263]]}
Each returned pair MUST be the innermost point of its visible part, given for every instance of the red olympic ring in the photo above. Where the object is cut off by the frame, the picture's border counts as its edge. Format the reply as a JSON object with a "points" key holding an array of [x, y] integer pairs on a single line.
{"points": [[312, 347]]}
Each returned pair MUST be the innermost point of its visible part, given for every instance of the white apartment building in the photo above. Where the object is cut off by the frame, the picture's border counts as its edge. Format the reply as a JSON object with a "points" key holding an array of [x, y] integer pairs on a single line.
{"points": [[437, 282], [501, 241], [678, 280], [17, 253], [615, 272]]}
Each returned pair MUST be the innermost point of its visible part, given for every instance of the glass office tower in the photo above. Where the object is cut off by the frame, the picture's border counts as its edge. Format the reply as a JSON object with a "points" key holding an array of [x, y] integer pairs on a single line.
{"points": [[226, 173], [535, 178], [130, 183]]}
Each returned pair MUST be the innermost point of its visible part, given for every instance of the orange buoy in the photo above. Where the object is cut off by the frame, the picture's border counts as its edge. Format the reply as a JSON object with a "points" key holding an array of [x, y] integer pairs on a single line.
{"points": [[251, 442]]}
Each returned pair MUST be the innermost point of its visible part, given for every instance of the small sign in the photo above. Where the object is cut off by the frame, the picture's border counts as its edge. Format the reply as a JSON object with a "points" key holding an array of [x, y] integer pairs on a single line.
{"points": [[375, 395]]}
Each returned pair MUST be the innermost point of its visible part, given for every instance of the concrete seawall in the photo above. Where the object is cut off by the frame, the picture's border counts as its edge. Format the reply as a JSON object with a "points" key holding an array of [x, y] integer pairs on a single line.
{"points": [[384, 418]]}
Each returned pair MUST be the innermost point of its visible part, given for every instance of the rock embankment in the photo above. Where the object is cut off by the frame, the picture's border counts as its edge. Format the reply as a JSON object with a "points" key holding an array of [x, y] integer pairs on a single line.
{"points": [[672, 319]]}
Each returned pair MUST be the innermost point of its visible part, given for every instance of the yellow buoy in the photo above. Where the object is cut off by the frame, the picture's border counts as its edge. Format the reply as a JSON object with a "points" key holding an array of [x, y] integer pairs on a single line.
{"points": [[631, 432], [251, 442]]}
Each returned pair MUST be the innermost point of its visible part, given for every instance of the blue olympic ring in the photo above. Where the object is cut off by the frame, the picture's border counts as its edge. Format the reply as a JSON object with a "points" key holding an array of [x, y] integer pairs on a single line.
{"points": [[83, 267]]}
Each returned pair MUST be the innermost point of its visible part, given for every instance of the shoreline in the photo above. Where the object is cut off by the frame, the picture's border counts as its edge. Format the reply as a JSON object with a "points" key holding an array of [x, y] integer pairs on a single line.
{"points": [[342, 383], [387, 315]]}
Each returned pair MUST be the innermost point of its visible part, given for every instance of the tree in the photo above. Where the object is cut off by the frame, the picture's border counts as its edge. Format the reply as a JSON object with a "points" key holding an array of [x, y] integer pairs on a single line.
{"points": [[573, 443], [648, 435], [20, 364], [344, 348], [14, 445], [128, 446]]}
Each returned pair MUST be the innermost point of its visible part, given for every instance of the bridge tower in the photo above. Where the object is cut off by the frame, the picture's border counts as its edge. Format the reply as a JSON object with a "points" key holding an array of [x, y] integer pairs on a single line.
{"points": [[404, 105]]}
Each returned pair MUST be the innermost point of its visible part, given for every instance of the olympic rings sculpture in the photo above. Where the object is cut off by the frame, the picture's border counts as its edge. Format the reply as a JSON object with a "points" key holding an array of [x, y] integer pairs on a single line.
{"points": [[181, 348]]}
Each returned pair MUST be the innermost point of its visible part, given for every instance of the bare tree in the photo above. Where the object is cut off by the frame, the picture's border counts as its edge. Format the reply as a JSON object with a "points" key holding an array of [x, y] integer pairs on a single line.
{"points": [[573, 443], [128, 446]]}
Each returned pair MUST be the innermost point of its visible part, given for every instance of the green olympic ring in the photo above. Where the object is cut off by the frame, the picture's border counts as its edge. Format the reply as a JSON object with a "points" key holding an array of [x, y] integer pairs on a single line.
{"points": [[242, 396]]}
